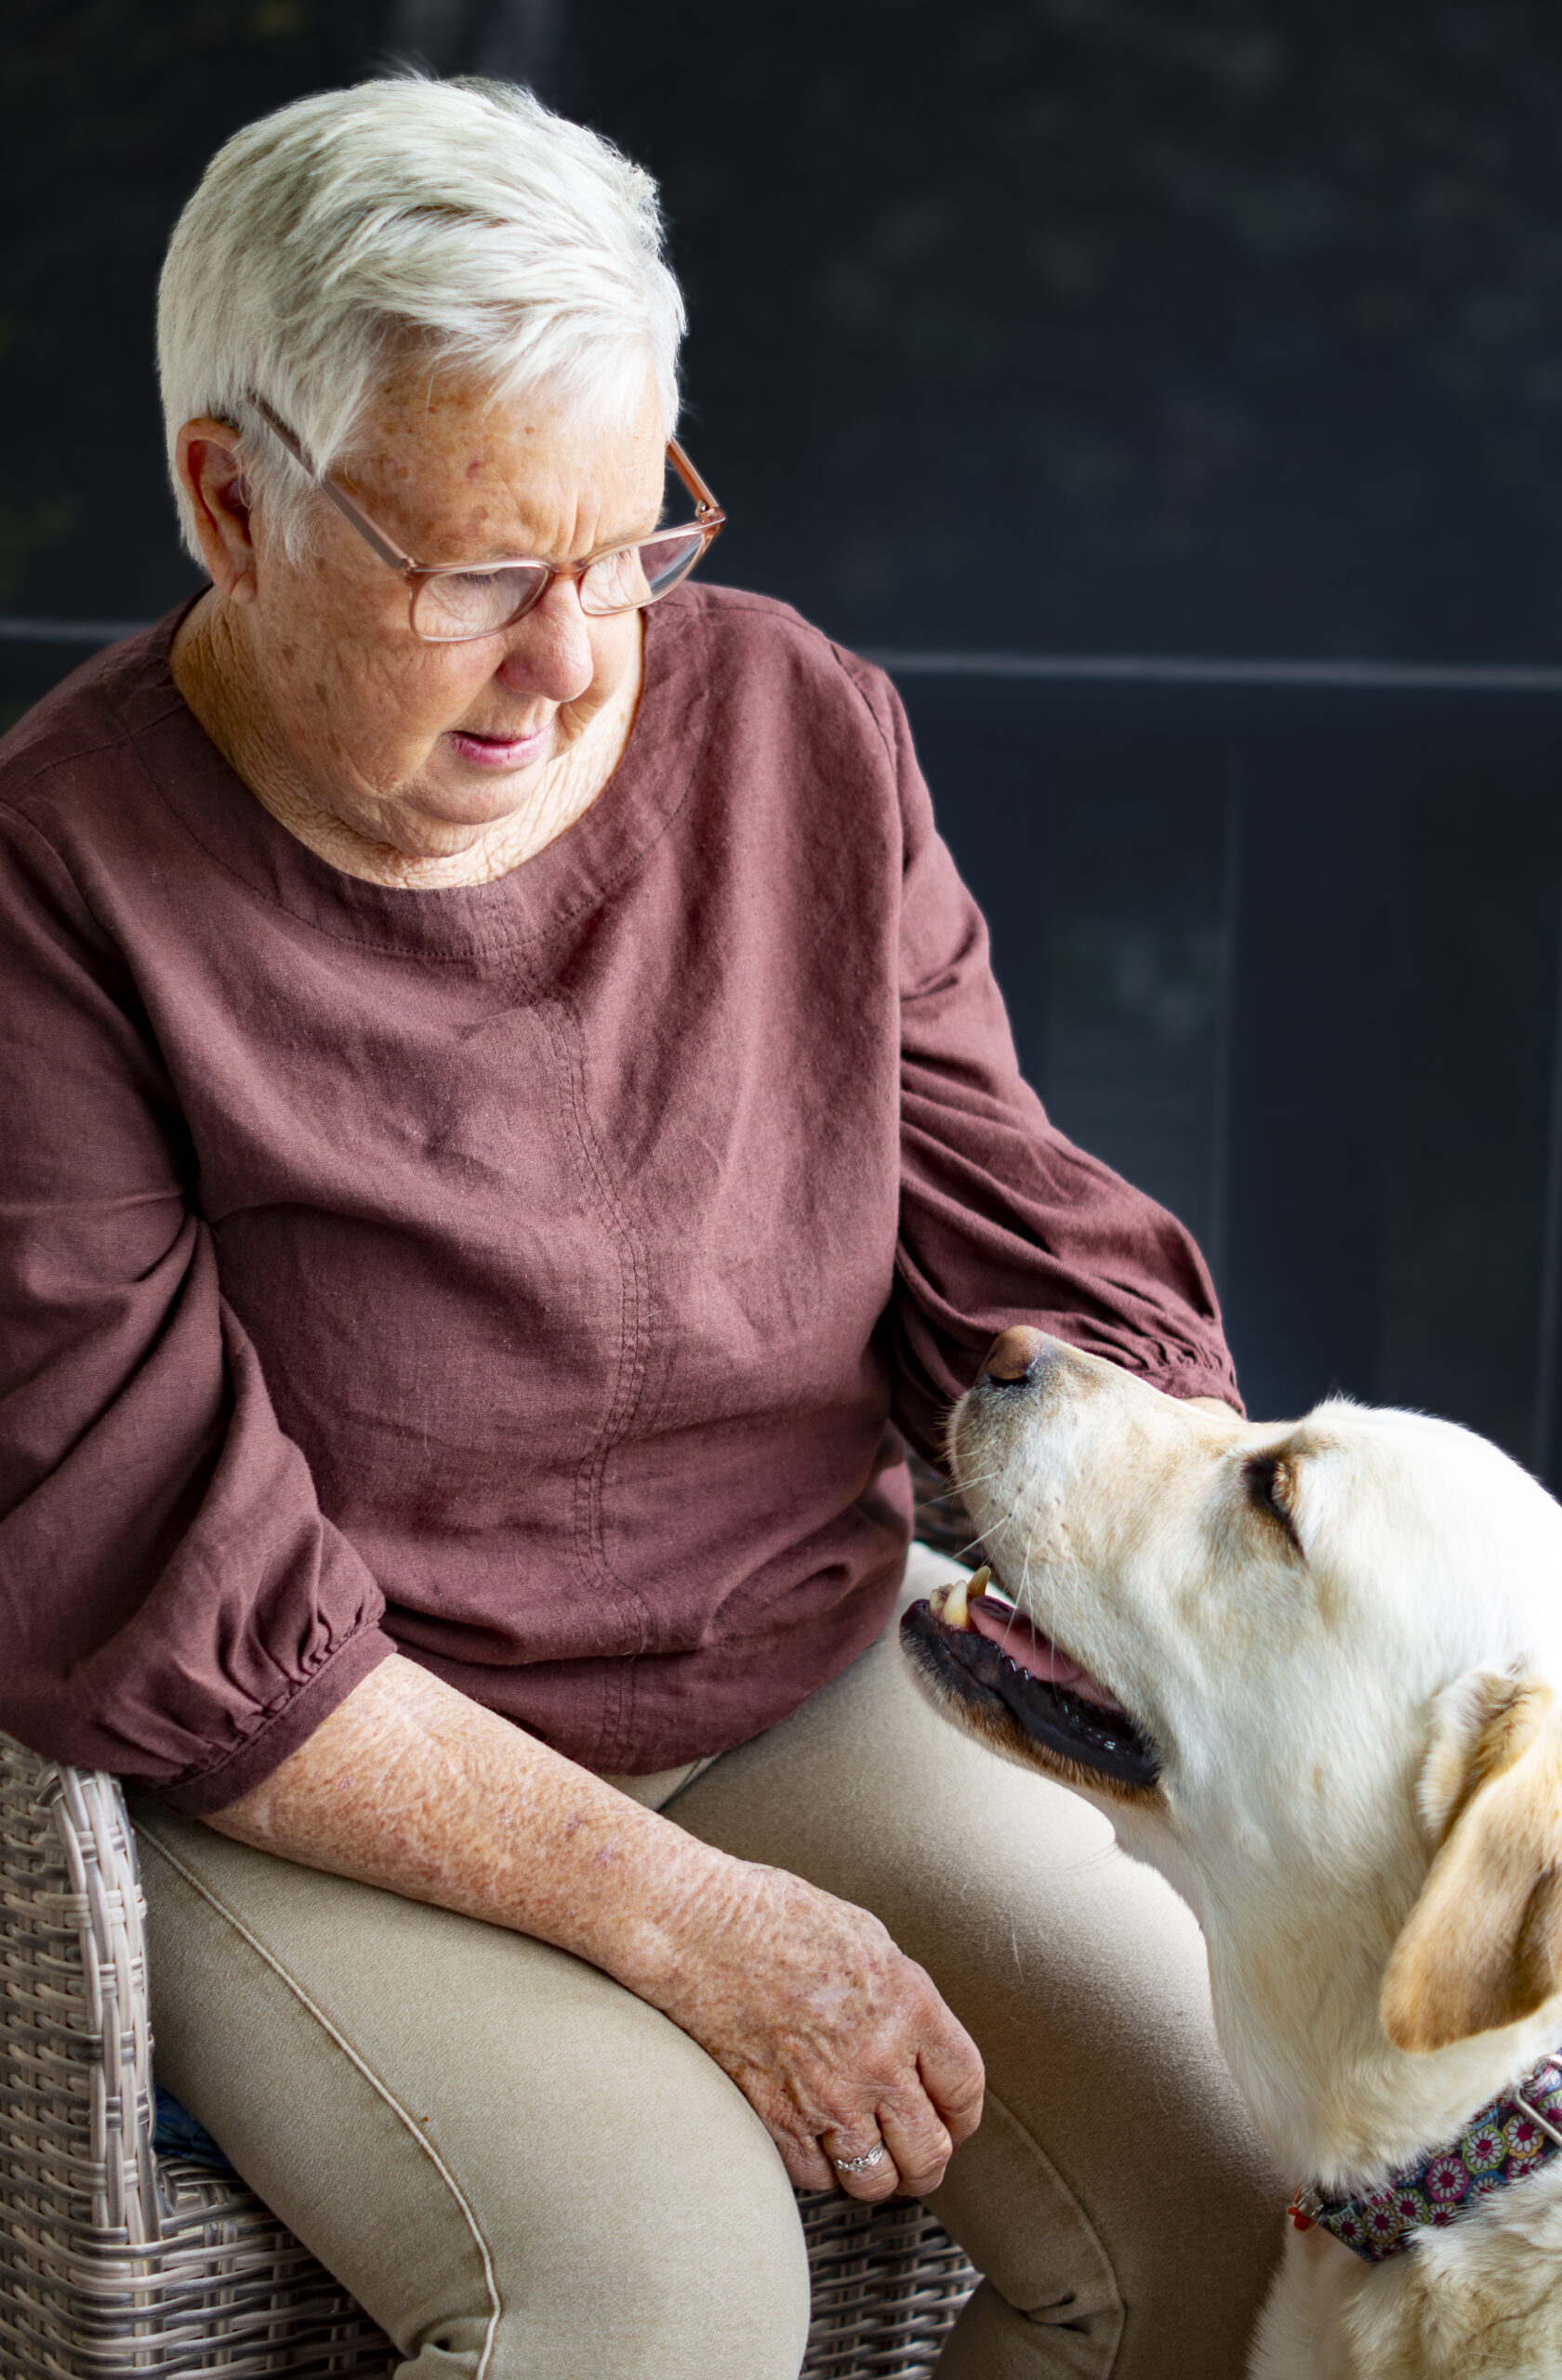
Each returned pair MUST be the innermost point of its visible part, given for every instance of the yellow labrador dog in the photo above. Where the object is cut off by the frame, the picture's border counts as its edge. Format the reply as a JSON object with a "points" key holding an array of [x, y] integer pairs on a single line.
{"points": [[1310, 1670]]}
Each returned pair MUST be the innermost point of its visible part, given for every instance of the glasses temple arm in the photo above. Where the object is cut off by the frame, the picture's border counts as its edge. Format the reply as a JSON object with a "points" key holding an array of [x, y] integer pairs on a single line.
{"points": [[388, 551], [706, 505]]}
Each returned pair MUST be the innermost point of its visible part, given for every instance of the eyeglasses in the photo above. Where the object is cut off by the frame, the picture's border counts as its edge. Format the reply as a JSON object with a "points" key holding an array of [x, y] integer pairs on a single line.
{"points": [[455, 602]]}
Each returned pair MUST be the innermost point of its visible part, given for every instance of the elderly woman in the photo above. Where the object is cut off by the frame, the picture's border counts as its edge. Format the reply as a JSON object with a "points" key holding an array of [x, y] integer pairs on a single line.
{"points": [[511, 1130]]}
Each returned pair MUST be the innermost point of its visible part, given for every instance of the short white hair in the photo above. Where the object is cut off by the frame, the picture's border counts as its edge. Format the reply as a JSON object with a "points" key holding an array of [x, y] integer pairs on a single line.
{"points": [[522, 250]]}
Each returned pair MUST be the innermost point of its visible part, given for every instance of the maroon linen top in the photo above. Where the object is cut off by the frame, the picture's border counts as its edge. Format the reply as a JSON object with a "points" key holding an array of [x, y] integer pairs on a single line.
{"points": [[530, 1277]]}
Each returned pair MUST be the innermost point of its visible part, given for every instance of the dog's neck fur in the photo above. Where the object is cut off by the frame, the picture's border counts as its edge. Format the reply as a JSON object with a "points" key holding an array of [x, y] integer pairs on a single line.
{"points": [[1341, 2108]]}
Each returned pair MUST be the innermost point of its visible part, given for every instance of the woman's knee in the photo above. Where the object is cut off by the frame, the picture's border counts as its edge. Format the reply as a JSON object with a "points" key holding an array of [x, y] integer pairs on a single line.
{"points": [[514, 2165], [683, 2253]]}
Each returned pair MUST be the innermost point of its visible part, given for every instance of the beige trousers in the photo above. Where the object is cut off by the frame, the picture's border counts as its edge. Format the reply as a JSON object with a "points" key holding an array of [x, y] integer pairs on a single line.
{"points": [[524, 2173]]}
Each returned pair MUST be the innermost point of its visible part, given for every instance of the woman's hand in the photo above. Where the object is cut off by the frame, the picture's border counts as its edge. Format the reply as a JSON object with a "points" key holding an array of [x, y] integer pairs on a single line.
{"points": [[837, 2040]]}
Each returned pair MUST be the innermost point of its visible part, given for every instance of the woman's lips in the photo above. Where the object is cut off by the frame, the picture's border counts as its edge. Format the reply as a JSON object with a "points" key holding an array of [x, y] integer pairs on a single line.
{"points": [[499, 751]]}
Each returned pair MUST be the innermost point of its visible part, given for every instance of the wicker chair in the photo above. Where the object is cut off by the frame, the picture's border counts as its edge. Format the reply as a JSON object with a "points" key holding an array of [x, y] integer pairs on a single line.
{"points": [[115, 2260]]}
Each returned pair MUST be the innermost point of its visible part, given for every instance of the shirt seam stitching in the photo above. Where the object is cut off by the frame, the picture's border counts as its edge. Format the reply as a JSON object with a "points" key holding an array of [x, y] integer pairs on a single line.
{"points": [[847, 665], [631, 1363], [30, 827]]}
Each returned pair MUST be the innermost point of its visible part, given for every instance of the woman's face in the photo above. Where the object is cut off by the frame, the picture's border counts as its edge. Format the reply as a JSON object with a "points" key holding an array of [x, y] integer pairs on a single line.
{"points": [[418, 747]]}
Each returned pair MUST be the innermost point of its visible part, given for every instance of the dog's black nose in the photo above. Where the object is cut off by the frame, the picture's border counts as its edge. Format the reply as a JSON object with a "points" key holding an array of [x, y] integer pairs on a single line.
{"points": [[1013, 1353]]}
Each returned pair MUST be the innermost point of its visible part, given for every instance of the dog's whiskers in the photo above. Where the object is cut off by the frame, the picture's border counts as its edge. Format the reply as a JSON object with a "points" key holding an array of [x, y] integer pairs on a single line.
{"points": [[1024, 1581], [963, 1486], [982, 1535]]}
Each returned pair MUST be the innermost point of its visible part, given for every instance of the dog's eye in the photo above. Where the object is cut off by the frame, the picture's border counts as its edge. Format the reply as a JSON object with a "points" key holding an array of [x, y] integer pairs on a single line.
{"points": [[1271, 1486]]}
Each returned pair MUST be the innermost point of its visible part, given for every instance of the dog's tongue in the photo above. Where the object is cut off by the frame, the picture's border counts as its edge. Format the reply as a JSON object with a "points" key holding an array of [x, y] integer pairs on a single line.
{"points": [[1003, 1626]]}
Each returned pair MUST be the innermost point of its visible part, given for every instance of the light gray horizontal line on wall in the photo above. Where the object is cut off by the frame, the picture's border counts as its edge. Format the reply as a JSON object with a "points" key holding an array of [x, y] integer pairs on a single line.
{"points": [[68, 632], [1063, 668], [1151, 669]]}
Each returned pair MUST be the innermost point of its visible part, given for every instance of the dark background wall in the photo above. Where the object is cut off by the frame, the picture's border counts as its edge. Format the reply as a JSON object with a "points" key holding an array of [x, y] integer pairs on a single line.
{"points": [[1238, 319], [1050, 329]]}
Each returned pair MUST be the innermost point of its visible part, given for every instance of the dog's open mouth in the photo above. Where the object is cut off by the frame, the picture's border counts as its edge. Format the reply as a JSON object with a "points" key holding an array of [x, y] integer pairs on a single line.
{"points": [[972, 1642]]}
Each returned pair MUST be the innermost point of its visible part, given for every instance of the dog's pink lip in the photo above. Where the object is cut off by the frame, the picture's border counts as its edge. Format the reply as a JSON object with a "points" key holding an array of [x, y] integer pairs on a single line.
{"points": [[1002, 1625]]}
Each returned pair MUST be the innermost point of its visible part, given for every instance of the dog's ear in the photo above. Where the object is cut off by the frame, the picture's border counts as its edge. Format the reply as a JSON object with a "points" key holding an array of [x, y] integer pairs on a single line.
{"points": [[1483, 1945]]}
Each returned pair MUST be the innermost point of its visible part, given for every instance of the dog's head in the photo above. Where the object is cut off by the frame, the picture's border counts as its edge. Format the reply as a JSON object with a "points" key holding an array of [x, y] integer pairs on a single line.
{"points": [[1310, 1669]]}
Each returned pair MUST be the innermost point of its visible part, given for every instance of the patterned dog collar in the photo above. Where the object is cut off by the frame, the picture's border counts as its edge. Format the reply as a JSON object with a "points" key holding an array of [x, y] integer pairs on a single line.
{"points": [[1515, 2135]]}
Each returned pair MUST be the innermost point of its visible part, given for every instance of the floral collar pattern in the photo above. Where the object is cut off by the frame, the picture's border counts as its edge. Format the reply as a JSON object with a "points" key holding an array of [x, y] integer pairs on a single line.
{"points": [[1512, 2136]]}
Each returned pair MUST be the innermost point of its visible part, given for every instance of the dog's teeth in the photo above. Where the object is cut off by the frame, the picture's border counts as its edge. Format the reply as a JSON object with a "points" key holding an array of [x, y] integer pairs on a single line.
{"points": [[954, 1613]]}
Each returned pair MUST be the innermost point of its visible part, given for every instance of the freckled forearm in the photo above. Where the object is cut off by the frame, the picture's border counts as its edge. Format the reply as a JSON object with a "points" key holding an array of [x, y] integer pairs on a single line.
{"points": [[412, 1786]]}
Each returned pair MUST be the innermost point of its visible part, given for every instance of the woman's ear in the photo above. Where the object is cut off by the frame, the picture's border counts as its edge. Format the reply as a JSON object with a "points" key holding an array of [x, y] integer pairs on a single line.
{"points": [[206, 460], [1482, 1948]]}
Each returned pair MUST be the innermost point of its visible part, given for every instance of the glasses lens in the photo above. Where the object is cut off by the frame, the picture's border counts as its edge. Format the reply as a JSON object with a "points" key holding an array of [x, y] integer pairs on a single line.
{"points": [[637, 574], [461, 603]]}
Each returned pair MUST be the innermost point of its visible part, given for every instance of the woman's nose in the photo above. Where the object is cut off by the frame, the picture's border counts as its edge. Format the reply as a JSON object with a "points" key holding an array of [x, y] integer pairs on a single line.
{"points": [[549, 650]]}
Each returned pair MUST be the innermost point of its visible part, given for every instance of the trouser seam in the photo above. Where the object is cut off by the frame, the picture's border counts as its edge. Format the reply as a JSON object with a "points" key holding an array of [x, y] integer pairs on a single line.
{"points": [[1096, 2242], [377, 2082]]}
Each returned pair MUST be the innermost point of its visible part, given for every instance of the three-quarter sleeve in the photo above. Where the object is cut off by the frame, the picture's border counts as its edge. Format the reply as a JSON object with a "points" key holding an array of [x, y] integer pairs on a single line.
{"points": [[1002, 1220], [175, 1607]]}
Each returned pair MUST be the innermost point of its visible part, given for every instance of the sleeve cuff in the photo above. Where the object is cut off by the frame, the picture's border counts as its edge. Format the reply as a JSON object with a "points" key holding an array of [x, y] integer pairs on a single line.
{"points": [[197, 1795], [1185, 1384]]}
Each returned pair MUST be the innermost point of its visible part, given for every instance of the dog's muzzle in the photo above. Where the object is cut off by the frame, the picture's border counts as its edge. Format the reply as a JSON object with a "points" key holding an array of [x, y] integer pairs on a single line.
{"points": [[973, 1648]]}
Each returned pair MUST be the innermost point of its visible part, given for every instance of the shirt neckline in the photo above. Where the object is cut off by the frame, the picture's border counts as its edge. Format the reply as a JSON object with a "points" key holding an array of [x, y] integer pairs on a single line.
{"points": [[568, 878]]}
